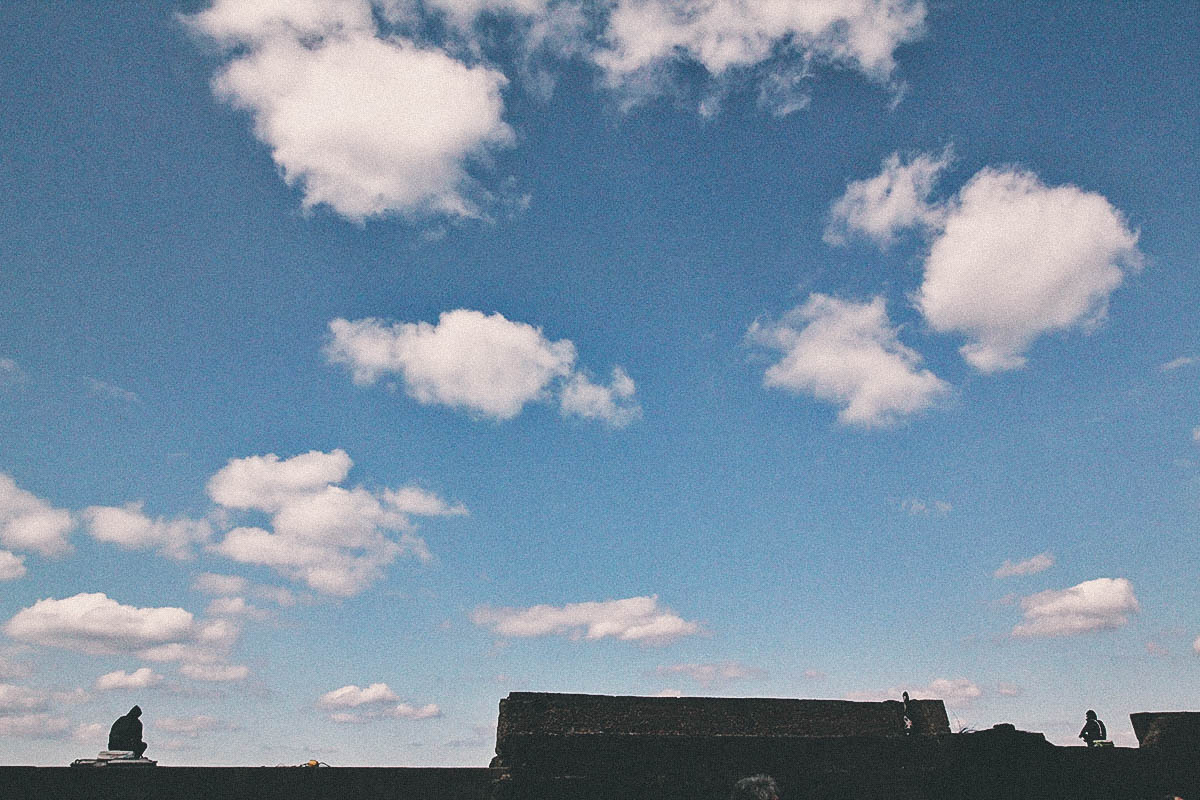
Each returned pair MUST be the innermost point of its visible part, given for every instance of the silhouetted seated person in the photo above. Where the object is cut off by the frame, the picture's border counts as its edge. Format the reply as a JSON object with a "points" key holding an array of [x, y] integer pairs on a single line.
{"points": [[756, 787], [126, 733], [1093, 730]]}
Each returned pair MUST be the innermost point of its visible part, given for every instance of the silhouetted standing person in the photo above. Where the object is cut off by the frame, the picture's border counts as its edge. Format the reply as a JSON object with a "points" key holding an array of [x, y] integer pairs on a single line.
{"points": [[126, 733], [1093, 730], [908, 723]]}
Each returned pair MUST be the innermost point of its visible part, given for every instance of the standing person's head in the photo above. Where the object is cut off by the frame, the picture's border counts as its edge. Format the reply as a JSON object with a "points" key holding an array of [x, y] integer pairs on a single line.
{"points": [[756, 787], [1091, 714]]}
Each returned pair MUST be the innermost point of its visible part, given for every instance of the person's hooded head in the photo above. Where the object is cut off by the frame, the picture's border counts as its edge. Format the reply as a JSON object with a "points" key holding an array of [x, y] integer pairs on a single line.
{"points": [[1091, 714], [136, 711]]}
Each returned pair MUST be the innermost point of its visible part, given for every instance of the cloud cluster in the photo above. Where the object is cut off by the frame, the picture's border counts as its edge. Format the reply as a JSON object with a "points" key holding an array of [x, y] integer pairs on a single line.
{"points": [[334, 539], [369, 114], [15, 698], [351, 704], [644, 39], [1030, 566], [365, 123], [1094, 605], [633, 619], [131, 528], [95, 624], [1009, 260], [29, 523], [483, 363], [712, 674], [849, 354], [33, 726]]}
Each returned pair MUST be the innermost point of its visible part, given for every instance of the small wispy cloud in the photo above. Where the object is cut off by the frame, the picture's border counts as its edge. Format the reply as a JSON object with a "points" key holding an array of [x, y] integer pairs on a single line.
{"points": [[1030, 566], [1178, 363], [11, 372], [110, 391], [921, 508], [712, 674]]}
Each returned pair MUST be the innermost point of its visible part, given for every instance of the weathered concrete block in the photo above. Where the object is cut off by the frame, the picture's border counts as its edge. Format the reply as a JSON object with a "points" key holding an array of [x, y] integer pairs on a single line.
{"points": [[547, 714], [1167, 729]]}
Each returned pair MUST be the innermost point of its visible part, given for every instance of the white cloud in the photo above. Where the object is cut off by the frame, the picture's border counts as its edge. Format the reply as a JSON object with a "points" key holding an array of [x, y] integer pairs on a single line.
{"points": [[92, 623], [141, 678], [20, 698], [265, 482], [228, 586], [233, 22], [710, 674], [111, 391], [366, 124], [954, 691], [235, 607], [220, 585], [1093, 605], [89, 732], [668, 693], [130, 528], [11, 566], [634, 619], [1178, 363], [215, 673], [11, 372], [1030, 566], [848, 353], [376, 701], [612, 404], [1196, 646], [644, 38], [1008, 690], [414, 500], [482, 363], [398, 711], [33, 726], [13, 669], [191, 726], [30, 523], [353, 697], [1015, 259], [920, 508], [893, 200], [336, 540]]}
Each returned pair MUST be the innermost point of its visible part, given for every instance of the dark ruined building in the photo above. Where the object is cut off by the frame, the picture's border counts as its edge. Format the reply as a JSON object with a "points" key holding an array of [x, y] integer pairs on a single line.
{"points": [[592, 747]]}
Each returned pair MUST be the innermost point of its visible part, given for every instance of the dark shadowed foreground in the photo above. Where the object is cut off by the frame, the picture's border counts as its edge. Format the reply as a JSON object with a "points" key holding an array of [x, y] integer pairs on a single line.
{"points": [[590, 747]]}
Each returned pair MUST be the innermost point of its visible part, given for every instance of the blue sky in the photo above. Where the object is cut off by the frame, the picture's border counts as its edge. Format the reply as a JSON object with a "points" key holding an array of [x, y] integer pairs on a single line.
{"points": [[363, 362]]}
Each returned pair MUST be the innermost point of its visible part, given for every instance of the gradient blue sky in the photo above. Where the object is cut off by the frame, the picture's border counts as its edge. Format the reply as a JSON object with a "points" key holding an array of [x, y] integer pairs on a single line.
{"points": [[781, 229]]}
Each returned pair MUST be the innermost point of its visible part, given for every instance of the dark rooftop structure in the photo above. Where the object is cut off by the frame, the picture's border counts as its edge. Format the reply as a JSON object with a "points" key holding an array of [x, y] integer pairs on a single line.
{"points": [[596, 747]]}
